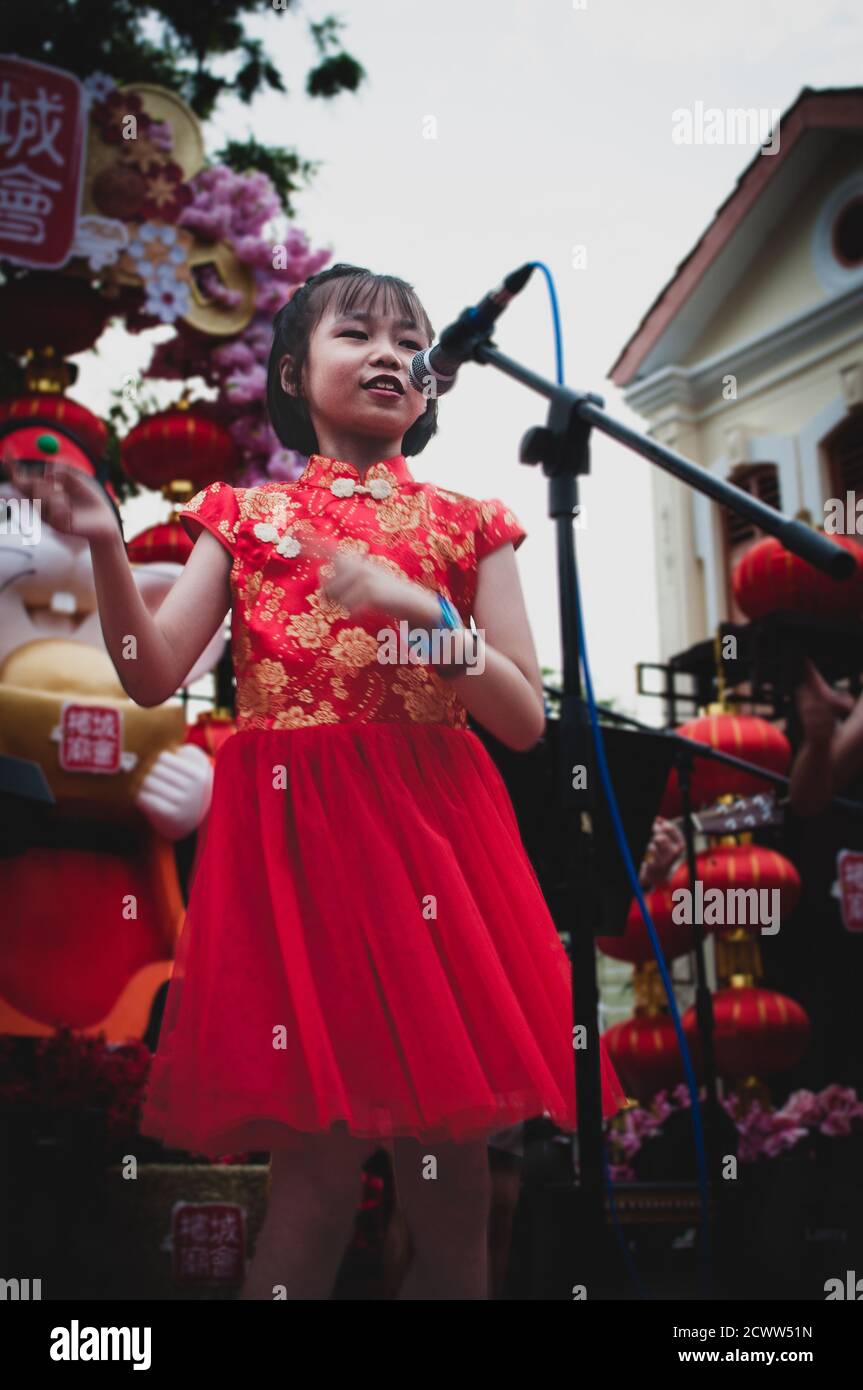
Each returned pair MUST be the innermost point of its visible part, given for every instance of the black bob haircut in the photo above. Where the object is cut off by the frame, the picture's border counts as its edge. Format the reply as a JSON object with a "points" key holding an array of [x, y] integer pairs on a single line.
{"points": [[349, 286]]}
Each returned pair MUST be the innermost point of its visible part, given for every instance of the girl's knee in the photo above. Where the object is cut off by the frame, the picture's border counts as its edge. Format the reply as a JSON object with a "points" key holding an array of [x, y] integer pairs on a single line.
{"points": [[468, 1160], [326, 1166], [448, 1176]]}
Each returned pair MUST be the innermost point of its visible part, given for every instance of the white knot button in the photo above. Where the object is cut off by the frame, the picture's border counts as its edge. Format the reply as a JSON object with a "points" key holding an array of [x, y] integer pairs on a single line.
{"points": [[288, 546], [378, 488], [285, 544]]}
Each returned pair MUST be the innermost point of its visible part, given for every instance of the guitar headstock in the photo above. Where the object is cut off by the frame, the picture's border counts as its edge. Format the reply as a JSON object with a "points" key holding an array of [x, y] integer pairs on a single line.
{"points": [[744, 814]]}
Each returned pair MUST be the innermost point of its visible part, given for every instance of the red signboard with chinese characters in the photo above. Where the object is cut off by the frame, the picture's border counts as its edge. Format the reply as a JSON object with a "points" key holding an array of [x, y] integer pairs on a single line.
{"points": [[208, 1244], [91, 738], [42, 137], [850, 866]]}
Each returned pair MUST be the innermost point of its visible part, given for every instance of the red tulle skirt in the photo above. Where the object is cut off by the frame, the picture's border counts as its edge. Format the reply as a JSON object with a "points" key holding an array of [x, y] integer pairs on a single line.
{"points": [[366, 942]]}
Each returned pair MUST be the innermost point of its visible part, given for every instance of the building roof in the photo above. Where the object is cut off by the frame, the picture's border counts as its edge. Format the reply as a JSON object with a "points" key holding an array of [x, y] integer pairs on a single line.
{"points": [[760, 197]]}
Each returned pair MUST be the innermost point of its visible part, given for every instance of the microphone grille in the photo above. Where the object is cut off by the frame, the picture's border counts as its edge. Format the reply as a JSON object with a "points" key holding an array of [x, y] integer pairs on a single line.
{"points": [[422, 376]]}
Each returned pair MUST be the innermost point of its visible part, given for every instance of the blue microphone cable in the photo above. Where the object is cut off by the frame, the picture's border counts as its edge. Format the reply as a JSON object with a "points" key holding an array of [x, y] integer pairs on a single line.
{"points": [[705, 1245]]}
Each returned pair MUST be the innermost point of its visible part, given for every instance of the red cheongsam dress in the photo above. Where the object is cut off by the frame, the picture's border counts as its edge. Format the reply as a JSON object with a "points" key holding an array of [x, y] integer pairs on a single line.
{"points": [[366, 940]]}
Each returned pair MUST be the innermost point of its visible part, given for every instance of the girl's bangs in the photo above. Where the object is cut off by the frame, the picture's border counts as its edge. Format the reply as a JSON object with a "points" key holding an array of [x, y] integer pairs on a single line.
{"points": [[379, 294]]}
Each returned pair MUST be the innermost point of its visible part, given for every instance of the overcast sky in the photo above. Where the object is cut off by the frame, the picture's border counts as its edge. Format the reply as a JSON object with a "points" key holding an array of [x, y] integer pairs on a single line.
{"points": [[552, 130]]}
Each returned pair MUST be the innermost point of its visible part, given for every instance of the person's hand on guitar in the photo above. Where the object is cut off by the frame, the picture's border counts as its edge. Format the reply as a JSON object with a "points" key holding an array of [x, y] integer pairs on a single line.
{"points": [[664, 849]]}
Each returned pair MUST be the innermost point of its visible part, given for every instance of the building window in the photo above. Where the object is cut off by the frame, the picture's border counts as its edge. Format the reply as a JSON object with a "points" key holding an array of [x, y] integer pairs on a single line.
{"points": [[837, 237], [845, 455], [848, 234]]}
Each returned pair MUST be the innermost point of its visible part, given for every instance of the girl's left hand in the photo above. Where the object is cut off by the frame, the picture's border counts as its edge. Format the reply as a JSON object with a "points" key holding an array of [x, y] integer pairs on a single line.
{"points": [[362, 586]]}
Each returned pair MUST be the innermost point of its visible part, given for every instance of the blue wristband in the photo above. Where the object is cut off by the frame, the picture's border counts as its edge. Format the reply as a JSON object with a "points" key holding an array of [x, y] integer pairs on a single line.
{"points": [[451, 618]]}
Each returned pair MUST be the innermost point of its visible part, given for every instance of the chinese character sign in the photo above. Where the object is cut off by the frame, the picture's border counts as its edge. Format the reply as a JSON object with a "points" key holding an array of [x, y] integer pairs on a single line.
{"points": [[91, 738], [208, 1244], [42, 133], [850, 866]]}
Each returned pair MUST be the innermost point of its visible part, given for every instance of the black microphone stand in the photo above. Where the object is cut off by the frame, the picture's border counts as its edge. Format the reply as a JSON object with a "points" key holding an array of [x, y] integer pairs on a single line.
{"points": [[562, 447]]}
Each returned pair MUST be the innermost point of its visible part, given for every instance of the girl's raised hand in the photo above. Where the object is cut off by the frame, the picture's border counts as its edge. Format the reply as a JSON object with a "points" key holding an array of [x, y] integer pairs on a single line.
{"points": [[68, 500], [361, 585]]}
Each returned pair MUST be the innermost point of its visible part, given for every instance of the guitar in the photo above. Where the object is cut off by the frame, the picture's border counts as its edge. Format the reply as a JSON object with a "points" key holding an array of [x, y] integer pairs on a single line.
{"points": [[744, 814]]}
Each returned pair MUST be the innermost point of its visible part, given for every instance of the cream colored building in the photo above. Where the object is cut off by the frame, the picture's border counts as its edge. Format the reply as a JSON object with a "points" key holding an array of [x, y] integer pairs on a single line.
{"points": [[750, 363], [750, 360]]}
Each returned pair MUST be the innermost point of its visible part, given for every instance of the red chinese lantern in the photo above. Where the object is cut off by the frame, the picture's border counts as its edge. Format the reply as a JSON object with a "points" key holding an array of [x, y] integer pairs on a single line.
{"points": [[645, 1053], [740, 735], [73, 418], [769, 578], [45, 310], [743, 867], [167, 540], [756, 1032], [635, 945], [179, 444], [212, 729]]}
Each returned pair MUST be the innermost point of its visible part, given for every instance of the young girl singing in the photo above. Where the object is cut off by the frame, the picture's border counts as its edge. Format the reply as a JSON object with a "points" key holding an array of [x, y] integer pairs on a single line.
{"points": [[367, 956]]}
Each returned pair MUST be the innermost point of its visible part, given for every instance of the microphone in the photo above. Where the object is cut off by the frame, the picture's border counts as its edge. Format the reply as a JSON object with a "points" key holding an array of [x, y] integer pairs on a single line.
{"points": [[456, 344]]}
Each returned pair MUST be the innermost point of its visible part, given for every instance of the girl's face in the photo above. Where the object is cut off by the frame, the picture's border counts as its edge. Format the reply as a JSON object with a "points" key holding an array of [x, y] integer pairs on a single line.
{"points": [[345, 352]]}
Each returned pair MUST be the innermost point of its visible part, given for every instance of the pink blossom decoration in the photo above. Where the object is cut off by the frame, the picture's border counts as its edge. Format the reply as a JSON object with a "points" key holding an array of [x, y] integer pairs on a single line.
{"points": [[835, 1112], [241, 209]]}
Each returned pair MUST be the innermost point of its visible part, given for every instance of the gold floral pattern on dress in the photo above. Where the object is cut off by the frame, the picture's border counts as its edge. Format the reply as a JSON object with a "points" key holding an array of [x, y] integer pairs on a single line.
{"points": [[401, 513], [226, 527], [338, 687], [495, 523], [296, 718], [299, 657], [259, 504], [261, 690], [270, 600], [248, 586], [426, 699], [310, 630], [445, 549], [241, 646], [355, 647]]}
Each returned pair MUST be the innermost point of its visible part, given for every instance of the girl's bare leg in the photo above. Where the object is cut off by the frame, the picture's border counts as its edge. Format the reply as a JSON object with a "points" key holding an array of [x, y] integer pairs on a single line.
{"points": [[314, 1195], [506, 1189], [444, 1190], [396, 1254]]}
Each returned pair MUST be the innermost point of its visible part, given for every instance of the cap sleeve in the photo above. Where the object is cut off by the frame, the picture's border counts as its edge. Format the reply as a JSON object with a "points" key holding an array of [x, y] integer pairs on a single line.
{"points": [[216, 509], [495, 525]]}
